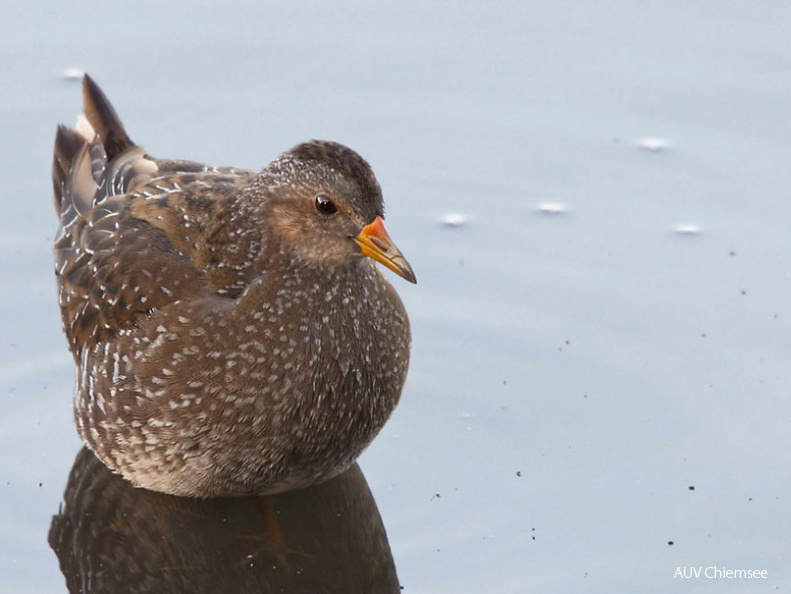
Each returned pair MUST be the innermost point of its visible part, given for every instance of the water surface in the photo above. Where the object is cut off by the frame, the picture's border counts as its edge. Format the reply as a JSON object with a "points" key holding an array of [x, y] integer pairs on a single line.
{"points": [[590, 381]]}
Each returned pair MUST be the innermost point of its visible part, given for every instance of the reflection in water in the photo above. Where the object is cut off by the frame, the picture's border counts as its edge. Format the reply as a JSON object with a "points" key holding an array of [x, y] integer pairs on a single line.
{"points": [[112, 537]]}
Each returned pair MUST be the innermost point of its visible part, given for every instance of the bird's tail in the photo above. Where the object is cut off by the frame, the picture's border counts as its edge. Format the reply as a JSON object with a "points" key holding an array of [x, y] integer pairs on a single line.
{"points": [[81, 153]]}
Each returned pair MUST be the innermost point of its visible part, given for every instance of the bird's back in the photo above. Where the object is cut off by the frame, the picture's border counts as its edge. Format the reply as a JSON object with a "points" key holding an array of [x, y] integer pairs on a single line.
{"points": [[134, 229]]}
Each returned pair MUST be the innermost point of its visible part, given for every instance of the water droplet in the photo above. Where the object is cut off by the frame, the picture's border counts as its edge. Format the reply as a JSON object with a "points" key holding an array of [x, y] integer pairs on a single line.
{"points": [[553, 208], [653, 144], [73, 74], [454, 219], [687, 229]]}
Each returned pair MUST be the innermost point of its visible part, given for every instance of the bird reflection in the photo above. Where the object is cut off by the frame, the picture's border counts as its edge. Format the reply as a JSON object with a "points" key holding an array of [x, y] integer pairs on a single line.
{"points": [[112, 537]]}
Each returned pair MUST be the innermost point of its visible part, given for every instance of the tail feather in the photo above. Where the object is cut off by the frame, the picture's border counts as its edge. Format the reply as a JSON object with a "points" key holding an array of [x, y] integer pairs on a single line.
{"points": [[82, 154], [67, 144], [104, 119], [78, 166]]}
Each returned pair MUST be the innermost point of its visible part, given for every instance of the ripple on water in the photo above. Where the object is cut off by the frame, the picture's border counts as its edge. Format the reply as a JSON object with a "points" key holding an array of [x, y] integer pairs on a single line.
{"points": [[72, 74], [552, 208], [454, 219], [687, 229], [653, 145]]}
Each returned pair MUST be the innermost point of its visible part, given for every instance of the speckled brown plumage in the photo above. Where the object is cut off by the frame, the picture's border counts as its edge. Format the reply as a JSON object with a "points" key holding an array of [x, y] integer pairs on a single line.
{"points": [[230, 335]]}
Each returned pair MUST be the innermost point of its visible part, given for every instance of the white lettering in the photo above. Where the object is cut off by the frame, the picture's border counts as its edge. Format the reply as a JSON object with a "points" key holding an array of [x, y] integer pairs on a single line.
{"points": [[687, 572], [714, 572]]}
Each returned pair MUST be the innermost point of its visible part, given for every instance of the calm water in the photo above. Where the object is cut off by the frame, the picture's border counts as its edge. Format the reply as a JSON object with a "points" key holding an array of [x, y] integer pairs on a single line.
{"points": [[601, 337]]}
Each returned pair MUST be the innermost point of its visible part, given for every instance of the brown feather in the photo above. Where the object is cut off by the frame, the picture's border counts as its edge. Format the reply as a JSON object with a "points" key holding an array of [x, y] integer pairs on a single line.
{"points": [[230, 338]]}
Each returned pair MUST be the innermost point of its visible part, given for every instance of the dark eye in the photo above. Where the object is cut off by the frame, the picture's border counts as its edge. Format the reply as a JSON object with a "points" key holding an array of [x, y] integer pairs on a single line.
{"points": [[325, 205]]}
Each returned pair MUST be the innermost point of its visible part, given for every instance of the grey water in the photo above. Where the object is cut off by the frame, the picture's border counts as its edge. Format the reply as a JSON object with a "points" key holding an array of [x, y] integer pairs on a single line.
{"points": [[594, 198]]}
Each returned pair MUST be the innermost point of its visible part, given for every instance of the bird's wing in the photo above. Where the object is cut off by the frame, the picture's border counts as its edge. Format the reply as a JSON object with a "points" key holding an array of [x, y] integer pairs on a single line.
{"points": [[133, 228]]}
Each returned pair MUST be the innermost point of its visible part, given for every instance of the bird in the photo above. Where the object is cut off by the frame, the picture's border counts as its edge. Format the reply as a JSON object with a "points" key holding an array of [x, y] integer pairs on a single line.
{"points": [[231, 331]]}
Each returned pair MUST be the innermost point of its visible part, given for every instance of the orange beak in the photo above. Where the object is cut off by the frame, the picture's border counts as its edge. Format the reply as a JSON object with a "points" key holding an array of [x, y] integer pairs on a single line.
{"points": [[375, 243]]}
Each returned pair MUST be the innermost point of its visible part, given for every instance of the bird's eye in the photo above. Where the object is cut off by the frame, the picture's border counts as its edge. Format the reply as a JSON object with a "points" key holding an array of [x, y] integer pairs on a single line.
{"points": [[325, 205]]}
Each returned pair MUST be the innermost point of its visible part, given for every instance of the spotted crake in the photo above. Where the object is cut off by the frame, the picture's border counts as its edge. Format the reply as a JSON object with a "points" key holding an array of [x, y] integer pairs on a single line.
{"points": [[231, 331]]}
